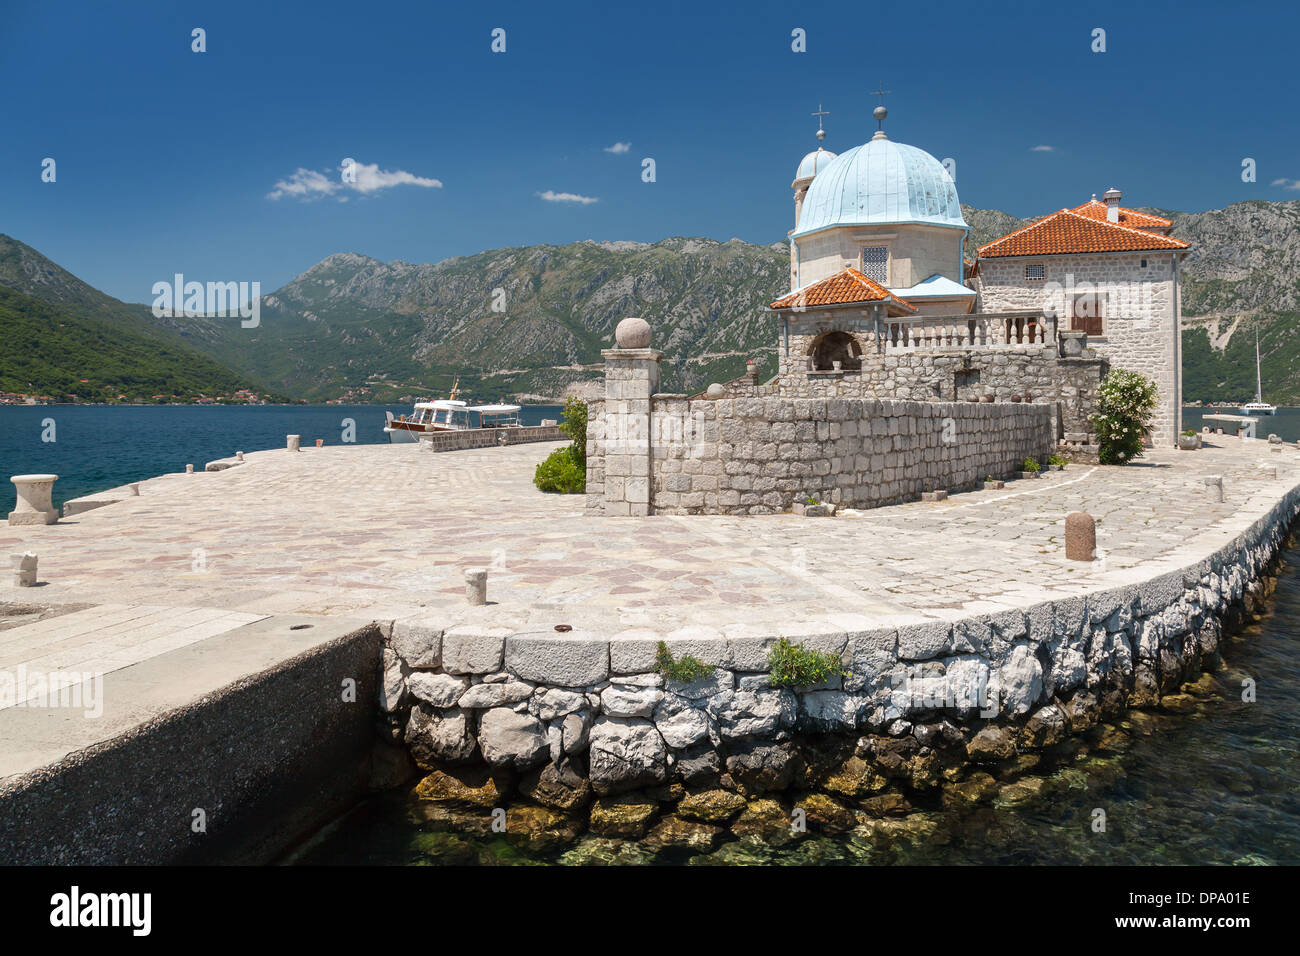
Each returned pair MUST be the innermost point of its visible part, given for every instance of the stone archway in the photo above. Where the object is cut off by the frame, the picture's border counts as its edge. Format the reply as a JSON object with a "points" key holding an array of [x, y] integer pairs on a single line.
{"points": [[835, 346]]}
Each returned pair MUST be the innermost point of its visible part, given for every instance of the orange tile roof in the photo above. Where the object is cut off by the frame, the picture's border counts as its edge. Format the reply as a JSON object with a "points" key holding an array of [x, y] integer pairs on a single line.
{"points": [[846, 287], [1096, 209], [1067, 231]]}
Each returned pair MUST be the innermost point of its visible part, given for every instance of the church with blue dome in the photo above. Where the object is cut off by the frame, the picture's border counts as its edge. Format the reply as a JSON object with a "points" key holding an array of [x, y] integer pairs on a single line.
{"points": [[886, 302], [887, 210]]}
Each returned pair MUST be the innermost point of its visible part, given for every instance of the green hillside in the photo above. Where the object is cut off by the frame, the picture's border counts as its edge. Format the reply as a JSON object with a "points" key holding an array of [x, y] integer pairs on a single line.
{"points": [[61, 350]]}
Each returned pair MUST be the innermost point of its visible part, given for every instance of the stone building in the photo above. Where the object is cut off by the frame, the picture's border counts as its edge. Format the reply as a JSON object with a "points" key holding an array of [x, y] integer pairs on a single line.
{"points": [[882, 303], [1105, 271]]}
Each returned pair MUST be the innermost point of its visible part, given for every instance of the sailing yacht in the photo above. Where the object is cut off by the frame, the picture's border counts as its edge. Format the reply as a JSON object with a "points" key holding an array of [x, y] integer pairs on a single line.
{"points": [[1258, 406]]}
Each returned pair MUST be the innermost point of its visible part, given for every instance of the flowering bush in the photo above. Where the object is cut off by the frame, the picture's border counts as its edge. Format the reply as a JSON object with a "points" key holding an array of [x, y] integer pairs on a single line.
{"points": [[1125, 403]]}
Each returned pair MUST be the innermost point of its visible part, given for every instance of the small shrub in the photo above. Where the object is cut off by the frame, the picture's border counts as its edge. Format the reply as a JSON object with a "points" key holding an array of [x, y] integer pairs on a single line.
{"points": [[1189, 432], [565, 471], [1031, 464], [575, 426], [683, 670], [1125, 403], [1058, 460], [560, 473], [793, 665]]}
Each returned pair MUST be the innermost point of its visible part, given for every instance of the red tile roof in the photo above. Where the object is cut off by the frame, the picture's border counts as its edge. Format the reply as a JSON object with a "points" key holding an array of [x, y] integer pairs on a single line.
{"points": [[1067, 231], [846, 287], [1096, 209]]}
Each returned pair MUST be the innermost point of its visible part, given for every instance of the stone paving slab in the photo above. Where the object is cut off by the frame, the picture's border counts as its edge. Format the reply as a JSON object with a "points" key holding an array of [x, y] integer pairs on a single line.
{"points": [[385, 531]]}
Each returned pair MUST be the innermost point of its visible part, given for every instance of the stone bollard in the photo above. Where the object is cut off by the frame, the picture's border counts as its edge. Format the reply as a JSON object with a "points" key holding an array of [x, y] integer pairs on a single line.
{"points": [[1080, 536], [1214, 487], [189, 469], [293, 442], [135, 489], [34, 504], [24, 566], [239, 456], [1268, 470], [476, 586], [1274, 439], [319, 442]]}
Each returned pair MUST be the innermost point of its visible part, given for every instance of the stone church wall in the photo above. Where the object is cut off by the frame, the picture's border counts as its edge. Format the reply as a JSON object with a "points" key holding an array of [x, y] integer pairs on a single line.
{"points": [[1139, 320]]}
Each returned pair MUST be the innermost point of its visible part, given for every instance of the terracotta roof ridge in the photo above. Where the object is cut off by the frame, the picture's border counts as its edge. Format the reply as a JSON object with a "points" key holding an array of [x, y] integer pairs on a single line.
{"points": [[1036, 222], [1133, 229]]}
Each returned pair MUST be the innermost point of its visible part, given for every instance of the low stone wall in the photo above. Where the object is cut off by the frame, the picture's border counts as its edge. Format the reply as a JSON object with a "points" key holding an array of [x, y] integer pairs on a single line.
{"points": [[761, 455], [488, 437], [270, 758], [558, 719]]}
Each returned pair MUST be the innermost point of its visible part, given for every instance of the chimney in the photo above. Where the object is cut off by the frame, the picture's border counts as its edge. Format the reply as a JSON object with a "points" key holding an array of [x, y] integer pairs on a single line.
{"points": [[1112, 204]]}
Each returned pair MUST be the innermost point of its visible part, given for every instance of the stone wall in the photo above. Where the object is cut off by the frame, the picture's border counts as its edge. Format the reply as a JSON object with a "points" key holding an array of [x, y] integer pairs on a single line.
{"points": [[488, 437], [920, 707], [1033, 373], [758, 456], [1140, 319]]}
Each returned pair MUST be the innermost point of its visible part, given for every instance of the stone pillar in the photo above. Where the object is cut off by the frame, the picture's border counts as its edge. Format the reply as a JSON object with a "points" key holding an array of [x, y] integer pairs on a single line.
{"points": [[293, 442], [476, 586], [1080, 536], [24, 567], [34, 504], [1214, 487], [631, 378]]}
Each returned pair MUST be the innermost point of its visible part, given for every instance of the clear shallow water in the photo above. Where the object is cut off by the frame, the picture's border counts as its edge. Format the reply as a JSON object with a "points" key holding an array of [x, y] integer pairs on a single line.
{"points": [[1221, 786], [103, 446]]}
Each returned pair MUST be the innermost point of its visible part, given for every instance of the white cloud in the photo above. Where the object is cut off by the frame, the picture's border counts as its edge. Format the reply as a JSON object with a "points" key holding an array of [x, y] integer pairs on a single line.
{"points": [[1043, 149], [618, 148], [1292, 184], [363, 178], [551, 196]]}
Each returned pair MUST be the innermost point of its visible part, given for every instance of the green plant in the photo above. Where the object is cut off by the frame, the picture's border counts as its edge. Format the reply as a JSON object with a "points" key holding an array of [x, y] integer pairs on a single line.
{"points": [[683, 670], [1125, 403], [1031, 464], [793, 665], [1058, 460], [575, 426], [1190, 433], [560, 472], [565, 469]]}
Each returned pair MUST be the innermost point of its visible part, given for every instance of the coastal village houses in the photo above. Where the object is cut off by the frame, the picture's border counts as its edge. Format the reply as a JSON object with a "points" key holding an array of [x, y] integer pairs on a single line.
{"points": [[883, 303]]}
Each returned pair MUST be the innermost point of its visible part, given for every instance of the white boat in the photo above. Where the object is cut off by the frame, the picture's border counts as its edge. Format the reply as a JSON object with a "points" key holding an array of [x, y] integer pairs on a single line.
{"points": [[425, 417], [448, 414], [1258, 406]]}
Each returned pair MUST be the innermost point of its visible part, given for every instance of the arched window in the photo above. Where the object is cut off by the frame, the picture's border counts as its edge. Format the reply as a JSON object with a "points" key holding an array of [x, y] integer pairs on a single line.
{"points": [[832, 347]]}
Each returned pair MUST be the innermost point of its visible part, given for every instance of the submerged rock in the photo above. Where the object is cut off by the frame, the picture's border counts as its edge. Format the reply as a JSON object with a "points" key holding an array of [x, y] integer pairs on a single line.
{"points": [[627, 816], [540, 828], [827, 814], [472, 785], [676, 831], [765, 819], [711, 806]]}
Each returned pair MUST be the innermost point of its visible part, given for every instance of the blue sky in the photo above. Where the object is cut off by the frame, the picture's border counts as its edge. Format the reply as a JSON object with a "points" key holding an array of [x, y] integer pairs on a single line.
{"points": [[166, 158]]}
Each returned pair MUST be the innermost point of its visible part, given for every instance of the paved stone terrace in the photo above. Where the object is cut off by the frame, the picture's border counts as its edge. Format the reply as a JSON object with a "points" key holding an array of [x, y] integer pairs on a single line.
{"points": [[384, 532]]}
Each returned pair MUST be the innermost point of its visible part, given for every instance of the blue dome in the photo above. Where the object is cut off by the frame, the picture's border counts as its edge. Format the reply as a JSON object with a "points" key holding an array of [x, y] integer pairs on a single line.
{"points": [[879, 183], [813, 163]]}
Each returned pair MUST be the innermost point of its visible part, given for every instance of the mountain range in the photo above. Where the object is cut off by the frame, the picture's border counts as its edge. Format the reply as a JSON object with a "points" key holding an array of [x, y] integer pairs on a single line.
{"points": [[527, 321]]}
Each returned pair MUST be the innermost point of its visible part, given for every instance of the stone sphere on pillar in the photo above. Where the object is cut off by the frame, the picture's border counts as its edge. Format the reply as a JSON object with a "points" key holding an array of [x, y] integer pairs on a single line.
{"points": [[632, 333], [716, 391]]}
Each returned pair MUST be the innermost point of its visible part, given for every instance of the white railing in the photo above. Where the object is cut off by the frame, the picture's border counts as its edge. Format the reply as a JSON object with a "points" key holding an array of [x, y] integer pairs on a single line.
{"points": [[994, 330]]}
